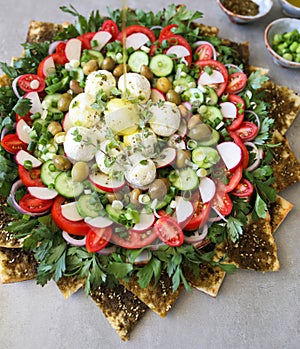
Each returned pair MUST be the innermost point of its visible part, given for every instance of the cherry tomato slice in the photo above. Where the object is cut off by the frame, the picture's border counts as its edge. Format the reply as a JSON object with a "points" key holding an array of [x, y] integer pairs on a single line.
{"points": [[200, 216], [60, 48], [215, 65], [174, 39], [60, 58], [86, 40], [110, 26], [222, 203], [204, 51], [135, 28], [247, 131], [240, 104], [34, 205], [12, 144], [234, 178], [30, 178], [134, 240], [168, 230], [236, 82], [245, 154], [76, 228], [31, 82], [26, 118], [98, 238], [244, 189], [166, 31]]}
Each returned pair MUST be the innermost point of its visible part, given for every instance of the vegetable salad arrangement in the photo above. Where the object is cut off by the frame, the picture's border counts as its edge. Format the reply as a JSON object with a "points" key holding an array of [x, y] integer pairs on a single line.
{"points": [[132, 150]]}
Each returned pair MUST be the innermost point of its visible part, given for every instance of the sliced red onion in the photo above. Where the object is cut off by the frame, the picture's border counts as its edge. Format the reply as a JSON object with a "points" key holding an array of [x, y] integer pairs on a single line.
{"points": [[256, 117], [214, 219], [14, 86], [73, 241], [53, 46], [156, 27], [5, 131], [18, 184], [230, 65], [258, 156], [203, 42], [197, 237], [107, 250], [219, 214]]}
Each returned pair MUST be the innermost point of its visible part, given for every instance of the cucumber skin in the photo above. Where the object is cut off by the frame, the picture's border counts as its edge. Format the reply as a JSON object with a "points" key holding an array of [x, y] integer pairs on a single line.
{"points": [[48, 177], [186, 176], [85, 208], [159, 70], [66, 187]]}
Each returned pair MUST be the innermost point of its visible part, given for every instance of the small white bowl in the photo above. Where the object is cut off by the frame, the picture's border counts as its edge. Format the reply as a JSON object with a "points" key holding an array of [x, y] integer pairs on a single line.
{"points": [[280, 26], [289, 10], [264, 8]]}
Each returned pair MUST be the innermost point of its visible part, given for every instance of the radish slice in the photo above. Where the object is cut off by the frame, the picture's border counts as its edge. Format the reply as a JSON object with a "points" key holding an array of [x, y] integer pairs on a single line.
{"points": [[104, 182], [178, 50], [73, 49], [230, 153], [23, 157], [67, 123], [207, 189], [166, 157], [73, 241], [70, 212], [229, 110], [214, 78], [184, 210], [102, 38], [136, 40], [48, 66], [98, 222], [157, 95], [36, 105], [145, 223], [42, 193], [23, 131]]}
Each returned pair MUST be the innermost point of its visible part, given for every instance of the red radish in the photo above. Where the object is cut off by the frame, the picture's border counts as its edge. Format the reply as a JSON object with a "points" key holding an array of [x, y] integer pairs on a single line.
{"points": [[23, 158], [104, 182], [102, 38], [98, 222], [229, 110], [145, 223], [42, 193], [136, 40], [73, 49], [184, 210], [48, 66], [36, 105], [157, 95], [178, 50], [214, 78], [207, 189], [182, 130], [70, 212], [176, 141], [166, 157], [66, 123], [23, 131], [230, 153]]}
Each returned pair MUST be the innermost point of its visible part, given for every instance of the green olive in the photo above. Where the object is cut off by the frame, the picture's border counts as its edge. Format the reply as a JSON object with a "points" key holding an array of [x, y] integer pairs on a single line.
{"points": [[173, 97], [119, 70], [80, 171], [64, 102], [193, 121], [163, 84], [61, 163], [113, 196], [108, 64], [75, 87], [184, 112], [134, 196], [146, 72], [54, 127], [182, 157], [90, 67], [158, 189], [200, 132]]}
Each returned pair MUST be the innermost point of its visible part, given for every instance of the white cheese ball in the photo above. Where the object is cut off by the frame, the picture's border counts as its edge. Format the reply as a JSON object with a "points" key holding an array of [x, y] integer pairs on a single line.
{"points": [[165, 120], [100, 130], [101, 158], [99, 80], [141, 174], [143, 141], [80, 144], [136, 86], [81, 112]]}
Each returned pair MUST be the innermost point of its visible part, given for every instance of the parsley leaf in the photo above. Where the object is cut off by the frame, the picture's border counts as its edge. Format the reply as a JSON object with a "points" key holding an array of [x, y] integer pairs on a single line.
{"points": [[23, 106], [234, 228], [148, 272]]}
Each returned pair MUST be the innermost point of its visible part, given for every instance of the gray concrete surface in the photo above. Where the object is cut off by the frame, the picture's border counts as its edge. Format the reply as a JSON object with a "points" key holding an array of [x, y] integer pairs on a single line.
{"points": [[253, 310]]}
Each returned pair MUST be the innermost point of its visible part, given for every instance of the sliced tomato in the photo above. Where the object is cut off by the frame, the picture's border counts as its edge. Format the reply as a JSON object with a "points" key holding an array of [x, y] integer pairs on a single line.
{"points": [[245, 154], [215, 65], [76, 228], [60, 48], [86, 40], [234, 178], [135, 28], [168, 231], [244, 189], [240, 104], [134, 240], [174, 39], [204, 51], [34, 205], [236, 82], [111, 27], [26, 118], [98, 238], [247, 131], [27, 83], [222, 203], [166, 31], [60, 58], [12, 144], [200, 216], [30, 178]]}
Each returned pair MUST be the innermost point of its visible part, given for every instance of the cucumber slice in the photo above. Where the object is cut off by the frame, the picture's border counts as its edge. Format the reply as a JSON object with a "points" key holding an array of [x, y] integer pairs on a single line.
{"points": [[87, 208], [50, 102], [137, 59], [211, 114], [49, 173], [205, 157], [185, 179], [161, 65], [211, 98], [214, 138], [66, 187], [113, 213]]}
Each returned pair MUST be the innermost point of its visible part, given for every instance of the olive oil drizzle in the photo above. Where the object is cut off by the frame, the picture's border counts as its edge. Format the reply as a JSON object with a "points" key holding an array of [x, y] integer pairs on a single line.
{"points": [[124, 52]]}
